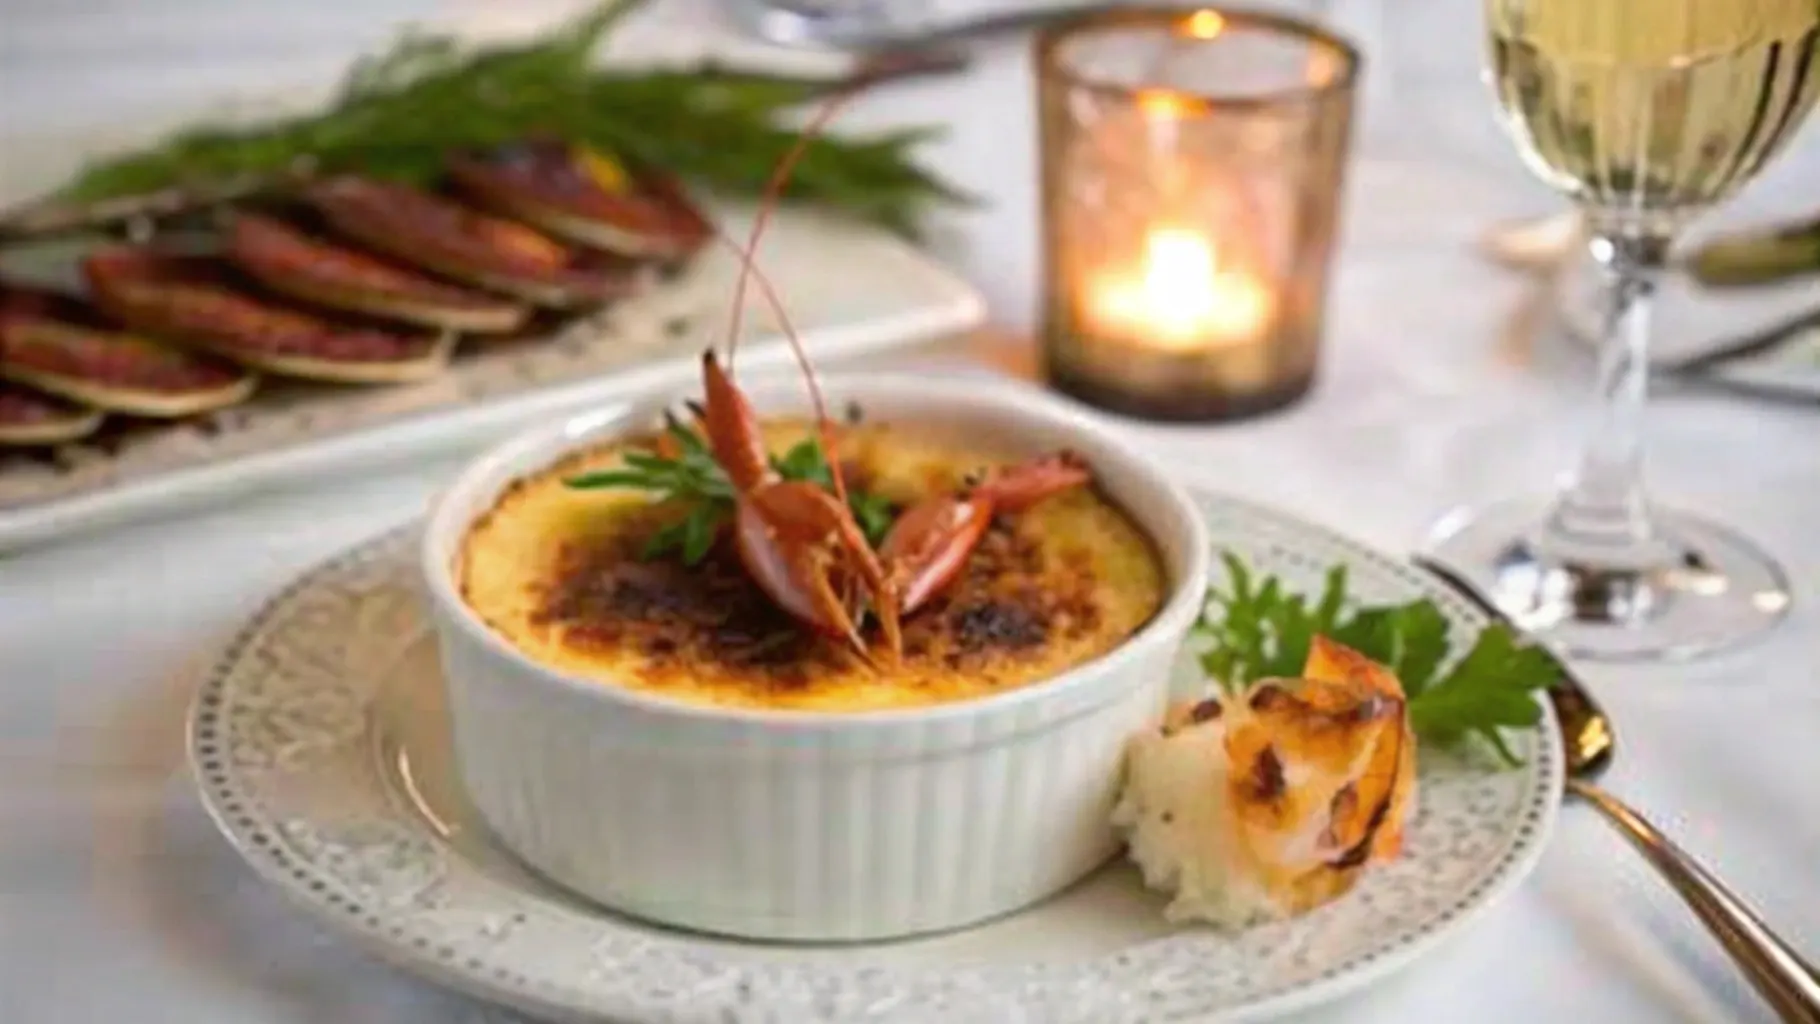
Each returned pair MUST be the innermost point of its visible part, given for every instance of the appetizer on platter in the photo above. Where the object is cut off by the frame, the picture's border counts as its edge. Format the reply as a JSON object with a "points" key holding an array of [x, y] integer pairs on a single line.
{"points": [[190, 300], [30, 418], [584, 196], [292, 261], [456, 241], [1272, 801], [52, 343]]}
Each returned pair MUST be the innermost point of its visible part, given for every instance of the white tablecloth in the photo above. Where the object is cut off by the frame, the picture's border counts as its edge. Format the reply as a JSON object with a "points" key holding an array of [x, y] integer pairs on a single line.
{"points": [[117, 902]]}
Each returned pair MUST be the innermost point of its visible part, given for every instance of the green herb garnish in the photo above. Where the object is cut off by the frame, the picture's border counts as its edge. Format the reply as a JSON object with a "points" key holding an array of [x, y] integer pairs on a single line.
{"points": [[873, 512], [694, 478], [397, 115], [1258, 628]]}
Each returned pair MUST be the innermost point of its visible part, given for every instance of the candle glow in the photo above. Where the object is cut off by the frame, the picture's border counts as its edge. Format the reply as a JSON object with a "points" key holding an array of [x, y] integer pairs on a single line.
{"points": [[1181, 298]]}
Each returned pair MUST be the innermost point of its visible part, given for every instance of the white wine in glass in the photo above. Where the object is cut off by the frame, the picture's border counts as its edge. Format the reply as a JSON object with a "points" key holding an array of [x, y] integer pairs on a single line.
{"points": [[1645, 113]]}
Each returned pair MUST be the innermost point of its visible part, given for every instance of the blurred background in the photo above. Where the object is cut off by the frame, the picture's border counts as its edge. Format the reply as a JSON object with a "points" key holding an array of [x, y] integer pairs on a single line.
{"points": [[72, 66]]}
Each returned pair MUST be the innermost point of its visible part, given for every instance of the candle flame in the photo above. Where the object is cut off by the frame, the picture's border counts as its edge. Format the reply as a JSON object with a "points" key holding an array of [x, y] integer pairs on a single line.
{"points": [[1177, 266], [1164, 104], [1182, 298], [1204, 24]]}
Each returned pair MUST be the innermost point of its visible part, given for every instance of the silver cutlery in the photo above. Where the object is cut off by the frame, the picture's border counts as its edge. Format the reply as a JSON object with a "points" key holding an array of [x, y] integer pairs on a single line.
{"points": [[1789, 984], [891, 30], [1543, 247]]}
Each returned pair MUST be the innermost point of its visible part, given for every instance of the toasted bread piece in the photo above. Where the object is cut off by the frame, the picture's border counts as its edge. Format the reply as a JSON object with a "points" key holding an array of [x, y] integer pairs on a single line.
{"points": [[31, 419], [190, 301], [1270, 802], [585, 197], [428, 363], [291, 261], [1342, 733], [49, 344], [467, 245]]}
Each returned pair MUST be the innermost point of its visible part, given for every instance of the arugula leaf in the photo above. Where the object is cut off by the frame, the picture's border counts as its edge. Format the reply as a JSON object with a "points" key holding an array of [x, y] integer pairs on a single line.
{"points": [[1258, 628]]}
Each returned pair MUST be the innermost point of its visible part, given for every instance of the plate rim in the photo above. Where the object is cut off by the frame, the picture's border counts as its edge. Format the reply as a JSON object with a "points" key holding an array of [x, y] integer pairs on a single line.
{"points": [[1532, 830]]}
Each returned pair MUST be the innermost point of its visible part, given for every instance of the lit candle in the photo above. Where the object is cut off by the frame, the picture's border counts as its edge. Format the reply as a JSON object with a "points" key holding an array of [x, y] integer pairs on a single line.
{"points": [[1180, 298]]}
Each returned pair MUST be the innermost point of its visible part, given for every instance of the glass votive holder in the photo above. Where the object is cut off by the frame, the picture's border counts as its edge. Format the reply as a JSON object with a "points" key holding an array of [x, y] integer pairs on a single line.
{"points": [[1192, 166]]}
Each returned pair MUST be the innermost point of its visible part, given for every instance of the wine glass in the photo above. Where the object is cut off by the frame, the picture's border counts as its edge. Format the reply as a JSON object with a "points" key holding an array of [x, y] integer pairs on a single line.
{"points": [[1645, 113]]}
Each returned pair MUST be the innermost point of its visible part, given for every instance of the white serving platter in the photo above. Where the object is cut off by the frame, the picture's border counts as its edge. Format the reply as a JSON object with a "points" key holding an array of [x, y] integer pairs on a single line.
{"points": [[851, 291]]}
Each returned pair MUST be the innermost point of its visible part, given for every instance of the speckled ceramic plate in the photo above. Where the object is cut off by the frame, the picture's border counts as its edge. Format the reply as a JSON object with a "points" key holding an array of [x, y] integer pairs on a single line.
{"points": [[320, 745]]}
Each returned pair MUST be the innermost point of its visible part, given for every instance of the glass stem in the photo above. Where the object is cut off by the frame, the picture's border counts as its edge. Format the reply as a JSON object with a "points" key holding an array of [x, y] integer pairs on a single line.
{"points": [[1601, 518]]}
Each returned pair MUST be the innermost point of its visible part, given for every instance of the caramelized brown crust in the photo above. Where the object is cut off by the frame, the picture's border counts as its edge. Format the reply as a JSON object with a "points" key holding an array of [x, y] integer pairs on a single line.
{"points": [[1044, 591], [1343, 731], [465, 244], [711, 619], [547, 183]]}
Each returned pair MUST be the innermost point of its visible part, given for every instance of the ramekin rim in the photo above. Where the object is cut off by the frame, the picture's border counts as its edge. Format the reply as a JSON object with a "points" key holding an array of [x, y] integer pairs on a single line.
{"points": [[550, 441]]}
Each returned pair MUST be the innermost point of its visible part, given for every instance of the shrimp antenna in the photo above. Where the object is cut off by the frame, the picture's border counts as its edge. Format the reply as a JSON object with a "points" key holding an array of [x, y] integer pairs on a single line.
{"points": [[776, 305], [772, 196]]}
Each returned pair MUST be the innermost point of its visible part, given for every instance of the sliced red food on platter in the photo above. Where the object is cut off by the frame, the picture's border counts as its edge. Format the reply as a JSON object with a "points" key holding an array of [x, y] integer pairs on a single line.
{"points": [[585, 196], [193, 301], [52, 344], [456, 241], [30, 418], [290, 260]]}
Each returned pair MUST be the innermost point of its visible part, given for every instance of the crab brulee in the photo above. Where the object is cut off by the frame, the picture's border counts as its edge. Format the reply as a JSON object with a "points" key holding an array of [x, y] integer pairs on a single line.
{"points": [[606, 584]]}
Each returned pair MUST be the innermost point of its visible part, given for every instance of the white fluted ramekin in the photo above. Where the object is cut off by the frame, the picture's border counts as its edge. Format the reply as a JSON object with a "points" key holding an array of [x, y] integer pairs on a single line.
{"points": [[799, 825]]}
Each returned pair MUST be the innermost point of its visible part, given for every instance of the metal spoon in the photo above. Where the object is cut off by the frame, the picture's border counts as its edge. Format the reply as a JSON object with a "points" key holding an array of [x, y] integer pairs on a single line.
{"points": [[1788, 983]]}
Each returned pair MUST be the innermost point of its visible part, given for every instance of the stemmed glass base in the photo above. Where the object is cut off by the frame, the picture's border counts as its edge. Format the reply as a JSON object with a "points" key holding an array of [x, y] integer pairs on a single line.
{"points": [[1705, 588]]}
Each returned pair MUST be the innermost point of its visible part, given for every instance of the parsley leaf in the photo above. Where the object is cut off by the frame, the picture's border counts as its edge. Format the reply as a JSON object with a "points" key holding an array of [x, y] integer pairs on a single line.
{"points": [[875, 514], [1490, 689], [1409, 639], [1264, 632], [1255, 629], [804, 461]]}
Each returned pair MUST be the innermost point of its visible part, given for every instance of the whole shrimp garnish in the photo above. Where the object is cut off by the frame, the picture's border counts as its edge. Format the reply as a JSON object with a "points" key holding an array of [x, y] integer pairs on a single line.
{"points": [[800, 542]]}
